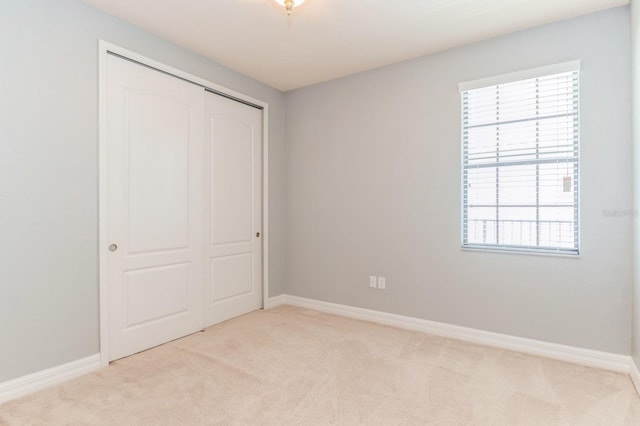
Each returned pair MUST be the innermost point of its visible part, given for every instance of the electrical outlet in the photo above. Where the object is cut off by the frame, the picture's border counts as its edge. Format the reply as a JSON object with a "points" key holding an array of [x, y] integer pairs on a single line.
{"points": [[382, 283], [373, 282]]}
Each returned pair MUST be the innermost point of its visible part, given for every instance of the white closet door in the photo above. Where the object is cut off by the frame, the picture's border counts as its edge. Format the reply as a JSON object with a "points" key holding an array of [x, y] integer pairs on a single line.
{"points": [[234, 209], [155, 135]]}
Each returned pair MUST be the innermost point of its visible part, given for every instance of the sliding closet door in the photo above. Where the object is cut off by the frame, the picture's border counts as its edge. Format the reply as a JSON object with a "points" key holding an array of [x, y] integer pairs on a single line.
{"points": [[155, 224], [233, 209]]}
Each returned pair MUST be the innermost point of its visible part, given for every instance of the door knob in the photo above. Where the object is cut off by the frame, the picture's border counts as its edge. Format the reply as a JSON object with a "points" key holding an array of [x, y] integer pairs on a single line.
{"points": [[257, 235], [113, 247]]}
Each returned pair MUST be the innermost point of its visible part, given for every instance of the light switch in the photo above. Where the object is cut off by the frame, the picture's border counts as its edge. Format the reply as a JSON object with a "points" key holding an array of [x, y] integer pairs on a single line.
{"points": [[382, 283]]}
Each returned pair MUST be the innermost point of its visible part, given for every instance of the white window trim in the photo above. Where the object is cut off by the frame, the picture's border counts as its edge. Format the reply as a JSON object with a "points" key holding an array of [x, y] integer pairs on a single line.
{"points": [[569, 66], [520, 75]]}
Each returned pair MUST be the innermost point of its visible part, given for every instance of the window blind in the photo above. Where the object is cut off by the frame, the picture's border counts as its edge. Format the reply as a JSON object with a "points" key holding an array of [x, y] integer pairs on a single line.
{"points": [[521, 165]]}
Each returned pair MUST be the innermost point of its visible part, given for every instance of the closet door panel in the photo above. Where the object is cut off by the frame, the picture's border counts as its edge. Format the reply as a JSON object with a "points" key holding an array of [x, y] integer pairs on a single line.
{"points": [[155, 224], [233, 285]]}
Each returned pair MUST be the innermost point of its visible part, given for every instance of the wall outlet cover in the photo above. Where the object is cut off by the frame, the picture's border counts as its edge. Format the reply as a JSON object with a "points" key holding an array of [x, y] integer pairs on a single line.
{"points": [[382, 283], [373, 281]]}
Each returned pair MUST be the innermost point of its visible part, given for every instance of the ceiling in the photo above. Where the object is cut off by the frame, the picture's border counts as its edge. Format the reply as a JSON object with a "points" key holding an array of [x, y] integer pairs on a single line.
{"points": [[327, 39]]}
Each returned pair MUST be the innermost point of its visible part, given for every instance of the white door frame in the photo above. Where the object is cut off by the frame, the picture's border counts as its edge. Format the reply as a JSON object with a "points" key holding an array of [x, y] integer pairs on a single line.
{"points": [[104, 48]]}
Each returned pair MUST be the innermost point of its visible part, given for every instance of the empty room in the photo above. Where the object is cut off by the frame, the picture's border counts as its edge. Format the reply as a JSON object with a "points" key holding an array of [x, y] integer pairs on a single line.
{"points": [[319, 212]]}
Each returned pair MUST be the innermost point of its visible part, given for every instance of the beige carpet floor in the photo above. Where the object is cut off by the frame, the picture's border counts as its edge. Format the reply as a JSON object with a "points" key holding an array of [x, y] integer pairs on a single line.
{"points": [[292, 366]]}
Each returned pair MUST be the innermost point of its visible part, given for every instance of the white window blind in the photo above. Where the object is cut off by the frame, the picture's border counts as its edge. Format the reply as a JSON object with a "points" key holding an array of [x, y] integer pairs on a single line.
{"points": [[520, 165]]}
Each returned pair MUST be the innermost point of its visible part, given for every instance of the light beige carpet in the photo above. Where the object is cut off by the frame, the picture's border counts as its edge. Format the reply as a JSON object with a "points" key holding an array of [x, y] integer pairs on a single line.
{"points": [[292, 366]]}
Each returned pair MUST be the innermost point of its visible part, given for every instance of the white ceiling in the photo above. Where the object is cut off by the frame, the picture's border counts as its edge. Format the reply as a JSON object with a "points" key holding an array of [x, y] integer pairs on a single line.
{"points": [[326, 39]]}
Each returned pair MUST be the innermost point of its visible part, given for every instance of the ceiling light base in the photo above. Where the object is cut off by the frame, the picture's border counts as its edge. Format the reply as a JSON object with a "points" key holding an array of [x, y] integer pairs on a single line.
{"points": [[290, 4]]}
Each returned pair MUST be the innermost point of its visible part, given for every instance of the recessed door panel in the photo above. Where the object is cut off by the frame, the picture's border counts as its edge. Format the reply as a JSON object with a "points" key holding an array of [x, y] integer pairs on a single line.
{"points": [[231, 276], [231, 179], [158, 171], [169, 286]]}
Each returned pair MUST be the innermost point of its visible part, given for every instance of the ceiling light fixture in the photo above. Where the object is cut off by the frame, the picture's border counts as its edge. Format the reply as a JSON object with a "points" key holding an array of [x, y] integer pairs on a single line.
{"points": [[290, 4]]}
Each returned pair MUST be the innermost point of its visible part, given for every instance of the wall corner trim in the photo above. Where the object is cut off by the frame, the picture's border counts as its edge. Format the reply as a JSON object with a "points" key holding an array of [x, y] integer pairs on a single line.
{"points": [[30, 383], [576, 355], [635, 375]]}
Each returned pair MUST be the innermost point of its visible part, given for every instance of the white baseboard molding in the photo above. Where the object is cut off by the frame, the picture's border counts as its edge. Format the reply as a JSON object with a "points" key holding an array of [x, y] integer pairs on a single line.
{"points": [[274, 301], [587, 357], [635, 375], [25, 385]]}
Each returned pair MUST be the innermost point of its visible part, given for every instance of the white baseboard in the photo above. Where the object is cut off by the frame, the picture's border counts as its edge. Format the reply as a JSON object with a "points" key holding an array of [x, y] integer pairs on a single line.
{"points": [[635, 375], [274, 301], [25, 385], [587, 357]]}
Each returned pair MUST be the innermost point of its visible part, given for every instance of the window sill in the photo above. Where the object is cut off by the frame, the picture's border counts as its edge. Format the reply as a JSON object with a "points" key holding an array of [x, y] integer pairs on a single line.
{"points": [[545, 253]]}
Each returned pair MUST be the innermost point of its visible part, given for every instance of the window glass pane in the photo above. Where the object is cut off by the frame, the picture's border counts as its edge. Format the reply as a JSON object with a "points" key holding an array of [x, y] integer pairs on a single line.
{"points": [[517, 226], [556, 227], [516, 100], [518, 141], [481, 186], [482, 225], [481, 147], [518, 185], [553, 178]]}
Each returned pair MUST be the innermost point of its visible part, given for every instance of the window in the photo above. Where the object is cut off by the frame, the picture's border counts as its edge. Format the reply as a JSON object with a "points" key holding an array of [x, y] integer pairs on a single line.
{"points": [[520, 163]]}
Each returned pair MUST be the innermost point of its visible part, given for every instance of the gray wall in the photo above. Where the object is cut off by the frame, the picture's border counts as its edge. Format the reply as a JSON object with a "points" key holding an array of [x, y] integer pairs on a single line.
{"points": [[635, 72], [49, 174], [373, 188]]}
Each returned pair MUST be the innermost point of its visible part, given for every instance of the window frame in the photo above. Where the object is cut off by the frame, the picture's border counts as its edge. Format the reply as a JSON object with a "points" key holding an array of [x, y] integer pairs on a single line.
{"points": [[570, 66]]}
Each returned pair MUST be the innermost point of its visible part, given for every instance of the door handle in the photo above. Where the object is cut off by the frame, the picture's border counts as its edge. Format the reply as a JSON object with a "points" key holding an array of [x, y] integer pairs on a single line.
{"points": [[113, 247], [257, 235]]}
